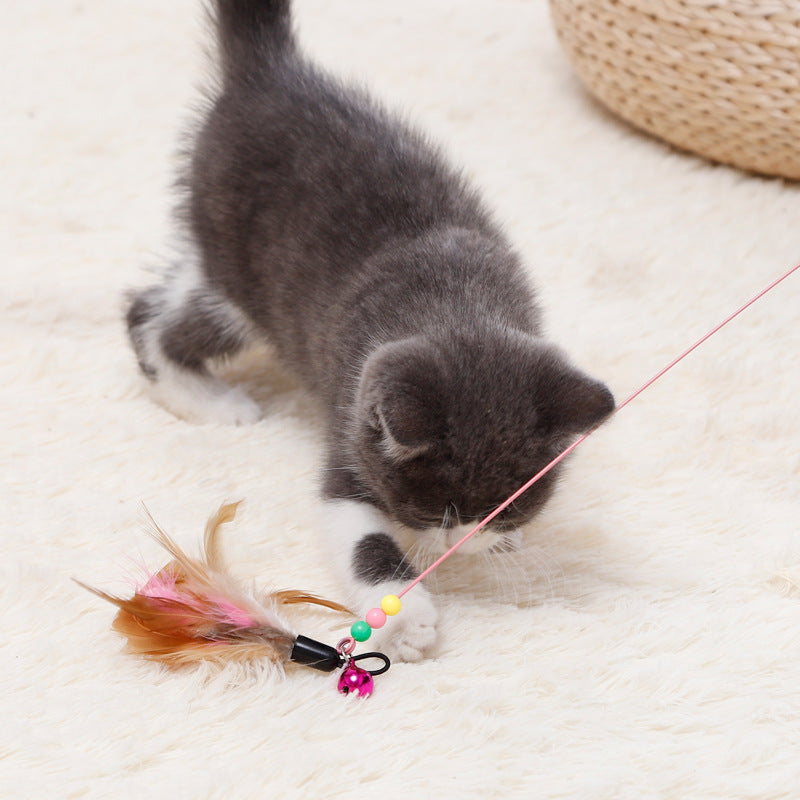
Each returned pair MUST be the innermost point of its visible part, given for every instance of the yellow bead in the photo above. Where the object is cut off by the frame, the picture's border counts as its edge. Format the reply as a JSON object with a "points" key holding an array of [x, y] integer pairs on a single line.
{"points": [[391, 605]]}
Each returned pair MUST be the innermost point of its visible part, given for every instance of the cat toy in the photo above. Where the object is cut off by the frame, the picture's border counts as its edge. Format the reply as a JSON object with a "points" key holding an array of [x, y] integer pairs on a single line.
{"points": [[192, 610]]}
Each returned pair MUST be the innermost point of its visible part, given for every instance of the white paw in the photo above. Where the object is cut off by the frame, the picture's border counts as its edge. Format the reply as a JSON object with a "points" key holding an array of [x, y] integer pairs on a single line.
{"points": [[202, 399], [409, 635], [233, 407]]}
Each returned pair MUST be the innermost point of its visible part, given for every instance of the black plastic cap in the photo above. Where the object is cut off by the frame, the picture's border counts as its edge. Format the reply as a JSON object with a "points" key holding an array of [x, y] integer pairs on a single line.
{"points": [[315, 654]]}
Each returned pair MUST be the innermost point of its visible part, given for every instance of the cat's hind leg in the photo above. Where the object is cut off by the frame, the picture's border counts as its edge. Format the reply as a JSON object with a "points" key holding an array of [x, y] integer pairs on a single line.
{"points": [[175, 328]]}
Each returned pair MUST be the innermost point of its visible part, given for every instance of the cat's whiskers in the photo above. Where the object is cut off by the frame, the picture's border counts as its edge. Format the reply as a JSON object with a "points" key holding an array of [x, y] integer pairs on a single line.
{"points": [[434, 543], [492, 566], [515, 575], [417, 553], [546, 568], [356, 496], [497, 567]]}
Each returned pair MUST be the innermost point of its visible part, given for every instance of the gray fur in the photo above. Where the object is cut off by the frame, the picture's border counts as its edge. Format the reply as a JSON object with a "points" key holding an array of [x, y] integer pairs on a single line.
{"points": [[345, 239], [377, 558]]}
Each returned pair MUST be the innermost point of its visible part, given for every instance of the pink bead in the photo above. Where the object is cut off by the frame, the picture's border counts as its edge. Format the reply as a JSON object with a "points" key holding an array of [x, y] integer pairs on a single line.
{"points": [[376, 618]]}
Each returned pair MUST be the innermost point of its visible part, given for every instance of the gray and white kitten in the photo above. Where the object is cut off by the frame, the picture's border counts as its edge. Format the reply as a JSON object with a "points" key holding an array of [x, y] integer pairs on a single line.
{"points": [[324, 225]]}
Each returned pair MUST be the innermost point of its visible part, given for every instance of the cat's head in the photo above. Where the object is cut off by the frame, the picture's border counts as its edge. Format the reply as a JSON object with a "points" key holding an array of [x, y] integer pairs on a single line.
{"points": [[448, 427]]}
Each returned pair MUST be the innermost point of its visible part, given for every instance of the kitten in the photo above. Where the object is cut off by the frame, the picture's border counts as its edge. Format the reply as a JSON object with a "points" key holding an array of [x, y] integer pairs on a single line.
{"points": [[322, 224]]}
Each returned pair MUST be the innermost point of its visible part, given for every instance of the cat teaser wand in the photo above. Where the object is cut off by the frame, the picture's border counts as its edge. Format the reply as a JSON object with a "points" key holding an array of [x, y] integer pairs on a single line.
{"points": [[192, 610], [391, 604]]}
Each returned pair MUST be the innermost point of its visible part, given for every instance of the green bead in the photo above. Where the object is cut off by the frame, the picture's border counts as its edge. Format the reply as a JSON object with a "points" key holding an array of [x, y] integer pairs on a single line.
{"points": [[360, 631]]}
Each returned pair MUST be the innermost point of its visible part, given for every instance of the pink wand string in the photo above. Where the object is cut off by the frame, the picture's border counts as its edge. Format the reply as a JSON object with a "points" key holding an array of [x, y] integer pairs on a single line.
{"points": [[561, 456]]}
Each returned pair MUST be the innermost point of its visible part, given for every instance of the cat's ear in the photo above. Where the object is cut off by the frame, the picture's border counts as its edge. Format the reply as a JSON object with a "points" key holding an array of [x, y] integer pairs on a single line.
{"points": [[406, 424], [569, 401], [400, 399]]}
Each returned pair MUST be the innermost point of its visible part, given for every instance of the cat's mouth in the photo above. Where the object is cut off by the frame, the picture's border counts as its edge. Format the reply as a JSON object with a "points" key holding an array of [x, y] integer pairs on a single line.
{"points": [[484, 541], [480, 542], [436, 540]]}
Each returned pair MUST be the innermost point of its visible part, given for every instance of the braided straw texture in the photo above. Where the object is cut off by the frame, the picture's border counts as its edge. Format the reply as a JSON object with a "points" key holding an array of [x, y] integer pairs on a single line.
{"points": [[721, 79]]}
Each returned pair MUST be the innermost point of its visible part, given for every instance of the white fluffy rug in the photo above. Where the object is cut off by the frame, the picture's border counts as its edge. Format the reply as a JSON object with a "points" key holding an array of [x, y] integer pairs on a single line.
{"points": [[646, 644]]}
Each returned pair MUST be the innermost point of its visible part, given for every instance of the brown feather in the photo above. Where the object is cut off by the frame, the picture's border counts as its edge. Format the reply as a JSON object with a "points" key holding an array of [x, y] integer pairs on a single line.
{"points": [[211, 546], [291, 597], [191, 610]]}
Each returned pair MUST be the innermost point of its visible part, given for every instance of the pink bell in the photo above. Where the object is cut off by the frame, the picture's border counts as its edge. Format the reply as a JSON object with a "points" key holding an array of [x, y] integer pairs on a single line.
{"points": [[355, 679]]}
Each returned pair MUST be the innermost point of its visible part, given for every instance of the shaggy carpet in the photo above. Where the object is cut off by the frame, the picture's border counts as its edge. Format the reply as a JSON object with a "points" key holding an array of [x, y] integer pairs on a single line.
{"points": [[646, 641]]}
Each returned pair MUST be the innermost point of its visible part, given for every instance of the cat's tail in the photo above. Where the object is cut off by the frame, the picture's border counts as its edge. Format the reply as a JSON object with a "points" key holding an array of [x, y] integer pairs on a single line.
{"points": [[251, 34]]}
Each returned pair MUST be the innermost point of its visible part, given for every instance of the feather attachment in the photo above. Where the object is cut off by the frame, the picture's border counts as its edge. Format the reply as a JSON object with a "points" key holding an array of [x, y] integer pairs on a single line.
{"points": [[192, 610]]}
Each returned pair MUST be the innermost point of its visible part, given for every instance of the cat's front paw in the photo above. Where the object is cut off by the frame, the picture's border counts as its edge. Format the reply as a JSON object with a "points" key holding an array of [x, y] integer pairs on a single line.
{"points": [[411, 634]]}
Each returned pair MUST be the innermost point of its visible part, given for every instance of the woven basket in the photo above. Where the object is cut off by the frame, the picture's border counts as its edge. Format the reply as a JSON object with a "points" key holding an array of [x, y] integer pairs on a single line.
{"points": [[721, 79]]}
